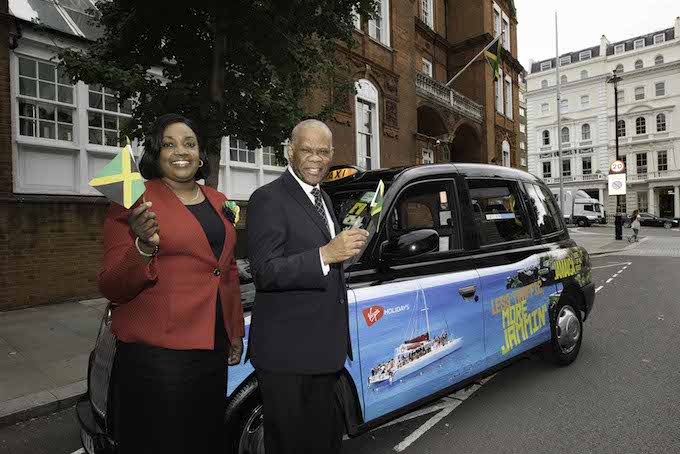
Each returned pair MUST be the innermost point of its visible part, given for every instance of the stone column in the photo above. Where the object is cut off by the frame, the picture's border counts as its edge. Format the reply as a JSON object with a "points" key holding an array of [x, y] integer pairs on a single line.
{"points": [[676, 197], [650, 201], [601, 196]]}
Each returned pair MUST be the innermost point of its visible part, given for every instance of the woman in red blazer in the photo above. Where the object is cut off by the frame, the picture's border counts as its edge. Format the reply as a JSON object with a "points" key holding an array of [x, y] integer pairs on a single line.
{"points": [[169, 266]]}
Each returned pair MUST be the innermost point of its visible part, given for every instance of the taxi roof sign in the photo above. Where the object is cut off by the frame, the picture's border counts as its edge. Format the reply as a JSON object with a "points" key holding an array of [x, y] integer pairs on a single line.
{"points": [[340, 173]]}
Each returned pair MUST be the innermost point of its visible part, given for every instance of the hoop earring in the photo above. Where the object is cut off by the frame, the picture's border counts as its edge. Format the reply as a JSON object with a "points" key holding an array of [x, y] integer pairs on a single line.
{"points": [[201, 163]]}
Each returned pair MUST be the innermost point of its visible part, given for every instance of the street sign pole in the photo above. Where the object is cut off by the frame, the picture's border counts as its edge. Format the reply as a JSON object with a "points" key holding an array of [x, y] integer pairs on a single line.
{"points": [[618, 220]]}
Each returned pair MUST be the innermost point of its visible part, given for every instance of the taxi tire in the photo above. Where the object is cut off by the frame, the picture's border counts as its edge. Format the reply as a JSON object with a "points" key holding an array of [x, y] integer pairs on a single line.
{"points": [[243, 414], [556, 353]]}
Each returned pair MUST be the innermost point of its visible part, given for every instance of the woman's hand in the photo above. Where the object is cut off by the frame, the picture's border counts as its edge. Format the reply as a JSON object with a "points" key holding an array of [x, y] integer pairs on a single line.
{"points": [[235, 351], [144, 225]]}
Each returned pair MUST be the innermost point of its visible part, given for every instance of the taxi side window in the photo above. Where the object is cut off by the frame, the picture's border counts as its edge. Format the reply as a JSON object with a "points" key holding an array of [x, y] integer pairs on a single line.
{"points": [[498, 212], [544, 208], [426, 206]]}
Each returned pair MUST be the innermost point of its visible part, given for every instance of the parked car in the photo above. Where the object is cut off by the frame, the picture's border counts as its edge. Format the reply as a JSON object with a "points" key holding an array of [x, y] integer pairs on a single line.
{"points": [[467, 268], [650, 220]]}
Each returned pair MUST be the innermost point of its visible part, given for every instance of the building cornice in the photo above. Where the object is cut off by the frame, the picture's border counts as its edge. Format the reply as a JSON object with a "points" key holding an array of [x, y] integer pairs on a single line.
{"points": [[435, 37]]}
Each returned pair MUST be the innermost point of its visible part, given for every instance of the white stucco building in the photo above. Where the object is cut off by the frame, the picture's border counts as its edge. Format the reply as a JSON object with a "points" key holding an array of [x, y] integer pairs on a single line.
{"points": [[648, 127]]}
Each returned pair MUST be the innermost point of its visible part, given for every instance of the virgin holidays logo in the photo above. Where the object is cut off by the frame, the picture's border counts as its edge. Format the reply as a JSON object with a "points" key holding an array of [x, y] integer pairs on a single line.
{"points": [[375, 313]]}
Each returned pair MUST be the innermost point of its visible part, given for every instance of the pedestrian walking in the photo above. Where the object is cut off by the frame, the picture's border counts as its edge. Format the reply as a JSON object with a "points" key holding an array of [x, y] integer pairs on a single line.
{"points": [[169, 267], [635, 225], [299, 336]]}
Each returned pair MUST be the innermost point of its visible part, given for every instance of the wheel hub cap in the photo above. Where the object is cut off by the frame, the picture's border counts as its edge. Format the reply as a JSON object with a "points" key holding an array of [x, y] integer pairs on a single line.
{"points": [[568, 329]]}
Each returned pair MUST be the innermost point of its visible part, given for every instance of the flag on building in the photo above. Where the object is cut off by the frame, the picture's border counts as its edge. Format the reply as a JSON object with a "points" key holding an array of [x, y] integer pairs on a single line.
{"points": [[495, 59], [120, 181]]}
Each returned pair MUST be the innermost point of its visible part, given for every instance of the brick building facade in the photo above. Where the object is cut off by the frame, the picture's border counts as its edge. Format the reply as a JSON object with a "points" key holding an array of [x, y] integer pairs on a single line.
{"points": [[401, 114]]}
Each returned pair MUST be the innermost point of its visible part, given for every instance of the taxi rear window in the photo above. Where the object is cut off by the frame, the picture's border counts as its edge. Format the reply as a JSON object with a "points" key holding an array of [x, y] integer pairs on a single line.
{"points": [[352, 208]]}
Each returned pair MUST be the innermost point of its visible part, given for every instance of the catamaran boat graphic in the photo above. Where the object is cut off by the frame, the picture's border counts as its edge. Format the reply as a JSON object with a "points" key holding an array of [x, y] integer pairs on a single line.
{"points": [[418, 351]]}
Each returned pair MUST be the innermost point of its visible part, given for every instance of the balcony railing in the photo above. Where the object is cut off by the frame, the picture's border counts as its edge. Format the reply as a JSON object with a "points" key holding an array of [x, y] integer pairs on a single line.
{"points": [[577, 178], [663, 174], [452, 99]]}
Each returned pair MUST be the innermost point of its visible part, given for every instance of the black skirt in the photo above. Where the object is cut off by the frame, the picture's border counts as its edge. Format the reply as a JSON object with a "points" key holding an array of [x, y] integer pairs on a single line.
{"points": [[168, 401]]}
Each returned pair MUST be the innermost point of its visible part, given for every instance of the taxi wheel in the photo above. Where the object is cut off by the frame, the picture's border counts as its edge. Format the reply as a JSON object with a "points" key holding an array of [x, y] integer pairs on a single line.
{"points": [[244, 420], [566, 330]]}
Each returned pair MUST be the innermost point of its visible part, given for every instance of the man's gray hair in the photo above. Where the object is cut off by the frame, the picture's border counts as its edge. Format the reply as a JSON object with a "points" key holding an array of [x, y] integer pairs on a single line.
{"points": [[310, 124]]}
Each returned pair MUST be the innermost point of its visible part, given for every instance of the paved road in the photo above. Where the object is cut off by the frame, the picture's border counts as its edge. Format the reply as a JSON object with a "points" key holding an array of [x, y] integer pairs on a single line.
{"points": [[621, 395]]}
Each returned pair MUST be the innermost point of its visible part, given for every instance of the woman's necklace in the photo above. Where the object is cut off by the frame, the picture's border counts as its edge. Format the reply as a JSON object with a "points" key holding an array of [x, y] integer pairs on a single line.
{"points": [[186, 202]]}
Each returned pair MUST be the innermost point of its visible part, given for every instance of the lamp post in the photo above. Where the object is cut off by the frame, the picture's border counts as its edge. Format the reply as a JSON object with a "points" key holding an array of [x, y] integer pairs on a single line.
{"points": [[618, 222]]}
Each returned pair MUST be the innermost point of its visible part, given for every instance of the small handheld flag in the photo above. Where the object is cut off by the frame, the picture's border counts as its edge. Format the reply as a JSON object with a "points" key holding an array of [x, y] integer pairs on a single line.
{"points": [[377, 202], [120, 181]]}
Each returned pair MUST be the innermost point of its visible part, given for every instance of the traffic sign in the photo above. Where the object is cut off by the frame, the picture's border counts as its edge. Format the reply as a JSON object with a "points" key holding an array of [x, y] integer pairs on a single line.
{"points": [[617, 166], [617, 184]]}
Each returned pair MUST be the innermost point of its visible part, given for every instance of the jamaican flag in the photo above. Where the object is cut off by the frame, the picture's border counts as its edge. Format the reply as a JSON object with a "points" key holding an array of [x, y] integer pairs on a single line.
{"points": [[495, 59], [377, 202], [120, 181]]}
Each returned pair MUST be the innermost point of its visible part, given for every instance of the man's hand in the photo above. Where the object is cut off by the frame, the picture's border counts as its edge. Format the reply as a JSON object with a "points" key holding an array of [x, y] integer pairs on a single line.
{"points": [[235, 351], [344, 246]]}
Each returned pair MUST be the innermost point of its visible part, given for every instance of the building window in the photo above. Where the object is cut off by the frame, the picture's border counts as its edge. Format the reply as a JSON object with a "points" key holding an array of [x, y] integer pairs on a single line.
{"points": [[619, 49], [658, 60], [428, 15], [269, 157], [584, 74], [639, 93], [563, 80], [506, 32], [621, 128], [642, 202], [565, 135], [660, 88], [379, 26], [621, 95], [522, 112], [585, 132], [506, 154], [639, 64], [547, 171], [618, 69], [585, 101], [565, 60], [638, 44], [585, 55], [546, 137], [546, 65], [566, 167], [368, 136], [239, 151], [522, 128], [497, 21], [587, 166], [106, 117], [641, 163], [545, 107], [508, 97], [356, 18], [660, 38], [640, 125], [544, 83], [427, 67], [522, 146], [661, 122], [45, 101], [564, 105], [662, 158], [428, 154], [499, 93]]}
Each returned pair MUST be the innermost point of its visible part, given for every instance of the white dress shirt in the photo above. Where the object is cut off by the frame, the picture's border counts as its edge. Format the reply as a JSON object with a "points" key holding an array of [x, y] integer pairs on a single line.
{"points": [[331, 227]]}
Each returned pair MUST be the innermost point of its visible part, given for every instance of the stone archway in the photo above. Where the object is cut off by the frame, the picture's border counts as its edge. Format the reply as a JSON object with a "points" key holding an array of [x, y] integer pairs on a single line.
{"points": [[466, 146], [431, 122]]}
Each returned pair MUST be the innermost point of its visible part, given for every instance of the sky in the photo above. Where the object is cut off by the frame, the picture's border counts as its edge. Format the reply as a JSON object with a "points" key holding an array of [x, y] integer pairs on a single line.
{"points": [[583, 22]]}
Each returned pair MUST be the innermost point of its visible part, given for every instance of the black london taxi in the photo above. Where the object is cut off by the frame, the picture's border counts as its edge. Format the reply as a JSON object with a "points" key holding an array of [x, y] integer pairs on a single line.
{"points": [[467, 268]]}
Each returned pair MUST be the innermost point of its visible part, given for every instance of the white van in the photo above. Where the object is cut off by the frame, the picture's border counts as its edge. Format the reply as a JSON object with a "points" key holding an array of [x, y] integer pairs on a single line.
{"points": [[580, 208]]}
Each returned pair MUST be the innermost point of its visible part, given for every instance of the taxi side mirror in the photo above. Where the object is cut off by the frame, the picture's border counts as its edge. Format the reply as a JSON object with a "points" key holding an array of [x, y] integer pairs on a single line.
{"points": [[411, 244]]}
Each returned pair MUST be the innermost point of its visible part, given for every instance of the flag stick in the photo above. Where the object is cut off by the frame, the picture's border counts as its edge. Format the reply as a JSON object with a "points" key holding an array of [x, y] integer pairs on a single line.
{"points": [[475, 58]]}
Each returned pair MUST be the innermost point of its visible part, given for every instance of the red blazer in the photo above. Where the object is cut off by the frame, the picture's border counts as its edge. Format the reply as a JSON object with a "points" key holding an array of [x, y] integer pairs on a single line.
{"points": [[170, 302]]}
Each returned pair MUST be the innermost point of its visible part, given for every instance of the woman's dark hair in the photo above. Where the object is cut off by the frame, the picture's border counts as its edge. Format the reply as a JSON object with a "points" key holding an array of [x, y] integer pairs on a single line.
{"points": [[149, 166]]}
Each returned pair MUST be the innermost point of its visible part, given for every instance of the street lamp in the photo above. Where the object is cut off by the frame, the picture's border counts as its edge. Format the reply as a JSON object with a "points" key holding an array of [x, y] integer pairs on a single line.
{"points": [[618, 224]]}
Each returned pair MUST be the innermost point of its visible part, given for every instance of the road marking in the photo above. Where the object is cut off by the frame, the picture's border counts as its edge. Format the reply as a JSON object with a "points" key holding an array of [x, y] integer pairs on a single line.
{"points": [[608, 280], [610, 265], [599, 288], [442, 405], [408, 441], [80, 451]]}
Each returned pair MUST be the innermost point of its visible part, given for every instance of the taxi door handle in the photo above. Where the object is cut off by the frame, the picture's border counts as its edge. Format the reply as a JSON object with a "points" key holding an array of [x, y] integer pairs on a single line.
{"points": [[468, 292]]}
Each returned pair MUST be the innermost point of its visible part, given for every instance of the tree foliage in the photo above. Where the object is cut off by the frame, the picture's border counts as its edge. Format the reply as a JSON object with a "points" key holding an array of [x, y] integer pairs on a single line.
{"points": [[237, 67]]}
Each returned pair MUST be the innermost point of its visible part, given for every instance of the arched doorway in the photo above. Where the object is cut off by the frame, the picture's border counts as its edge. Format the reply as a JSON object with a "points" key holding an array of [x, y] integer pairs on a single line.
{"points": [[430, 122], [466, 146]]}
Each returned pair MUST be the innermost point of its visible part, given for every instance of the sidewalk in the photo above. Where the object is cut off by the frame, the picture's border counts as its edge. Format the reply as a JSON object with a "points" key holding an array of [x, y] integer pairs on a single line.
{"points": [[600, 240], [43, 357]]}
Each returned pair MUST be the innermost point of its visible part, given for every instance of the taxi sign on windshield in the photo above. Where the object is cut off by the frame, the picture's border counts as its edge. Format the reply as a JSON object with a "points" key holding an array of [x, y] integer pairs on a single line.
{"points": [[340, 173]]}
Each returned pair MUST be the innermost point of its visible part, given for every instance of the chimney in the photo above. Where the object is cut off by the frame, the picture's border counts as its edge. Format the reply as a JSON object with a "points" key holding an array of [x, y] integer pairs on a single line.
{"points": [[604, 43], [531, 65], [677, 27]]}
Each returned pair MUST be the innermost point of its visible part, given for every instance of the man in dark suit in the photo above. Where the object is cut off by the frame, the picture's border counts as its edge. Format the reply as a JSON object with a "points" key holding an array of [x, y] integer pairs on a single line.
{"points": [[299, 335]]}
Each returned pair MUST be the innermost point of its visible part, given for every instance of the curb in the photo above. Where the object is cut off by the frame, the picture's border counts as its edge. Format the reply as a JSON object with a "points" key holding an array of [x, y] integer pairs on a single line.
{"points": [[595, 254], [41, 403]]}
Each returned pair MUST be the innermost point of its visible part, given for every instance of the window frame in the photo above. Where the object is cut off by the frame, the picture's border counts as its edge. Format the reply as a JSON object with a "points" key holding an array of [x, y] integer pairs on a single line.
{"points": [[545, 107], [584, 74], [639, 157], [619, 49], [639, 93], [618, 128], [505, 27], [638, 41], [384, 14], [639, 64], [564, 80], [616, 69], [640, 124], [659, 60], [587, 53], [586, 128], [662, 40], [661, 121], [659, 163], [545, 138], [661, 84], [369, 94], [508, 99], [427, 16], [544, 67], [566, 168], [568, 134], [564, 105], [427, 67], [589, 160], [545, 83], [102, 111], [565, 60], [549, 163], [587, 100]]}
